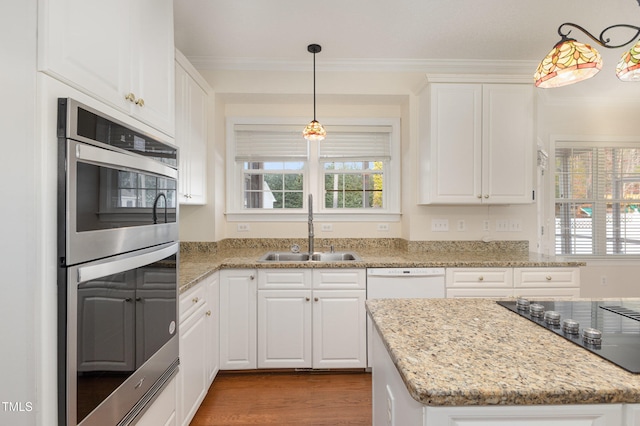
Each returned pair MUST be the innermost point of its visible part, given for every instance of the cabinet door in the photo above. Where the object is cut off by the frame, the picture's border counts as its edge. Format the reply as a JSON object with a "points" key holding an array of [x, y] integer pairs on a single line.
{"points": [[191, 137], [152, 63], [339, 329], [110, 49], [284, 329], [213, 326], [455, 143], [507, 143], [193, 355], [556, 415], [238, 309], [84, 43]]}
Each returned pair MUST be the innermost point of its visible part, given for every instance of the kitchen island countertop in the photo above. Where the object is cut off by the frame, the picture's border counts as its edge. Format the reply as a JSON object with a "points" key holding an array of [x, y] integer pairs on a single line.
{"points": [[470, 352]]}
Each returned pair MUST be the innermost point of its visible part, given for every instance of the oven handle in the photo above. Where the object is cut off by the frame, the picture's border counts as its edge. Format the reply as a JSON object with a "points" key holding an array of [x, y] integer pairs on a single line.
{"points": [[92, 272], [100, 156]]}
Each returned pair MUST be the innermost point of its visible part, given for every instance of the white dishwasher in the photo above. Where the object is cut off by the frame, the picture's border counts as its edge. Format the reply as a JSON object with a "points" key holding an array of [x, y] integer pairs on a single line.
{"points": [[396, 283], [400, 283]]}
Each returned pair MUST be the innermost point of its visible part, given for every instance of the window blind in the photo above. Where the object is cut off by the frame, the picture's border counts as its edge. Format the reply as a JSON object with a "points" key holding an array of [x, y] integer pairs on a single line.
{"points": [[363, 143], [254, 142], [597, 199]]}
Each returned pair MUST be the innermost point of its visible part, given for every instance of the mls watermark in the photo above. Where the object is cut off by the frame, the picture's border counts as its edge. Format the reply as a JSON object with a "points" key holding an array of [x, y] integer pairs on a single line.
{"points": [[17, 407]]}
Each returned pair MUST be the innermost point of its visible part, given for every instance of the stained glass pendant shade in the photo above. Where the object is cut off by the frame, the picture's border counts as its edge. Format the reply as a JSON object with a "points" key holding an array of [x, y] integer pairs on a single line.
{"points": [[628, 68], [568, 62]]}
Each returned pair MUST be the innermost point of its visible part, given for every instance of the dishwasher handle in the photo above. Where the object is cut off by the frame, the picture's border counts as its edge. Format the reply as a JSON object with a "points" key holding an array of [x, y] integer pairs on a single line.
{"points": [[405, 272]]}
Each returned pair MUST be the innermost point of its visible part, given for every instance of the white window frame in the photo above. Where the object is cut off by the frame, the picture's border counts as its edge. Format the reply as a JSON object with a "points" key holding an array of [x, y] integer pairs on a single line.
{"points": [[585, 141], [313, 176]]}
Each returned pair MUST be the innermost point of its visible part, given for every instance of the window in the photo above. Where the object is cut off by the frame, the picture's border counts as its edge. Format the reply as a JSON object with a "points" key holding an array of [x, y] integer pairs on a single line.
{"points": [[273, 168], [597, 198]]}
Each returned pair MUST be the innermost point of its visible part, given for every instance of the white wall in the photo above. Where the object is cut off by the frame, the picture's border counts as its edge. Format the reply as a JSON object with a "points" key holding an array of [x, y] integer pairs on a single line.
{"points": [[340, 94], [20, 227]]}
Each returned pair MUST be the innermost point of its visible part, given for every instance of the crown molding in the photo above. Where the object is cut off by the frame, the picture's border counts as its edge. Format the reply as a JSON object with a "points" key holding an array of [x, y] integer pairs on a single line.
{"points": [[429, 66]]}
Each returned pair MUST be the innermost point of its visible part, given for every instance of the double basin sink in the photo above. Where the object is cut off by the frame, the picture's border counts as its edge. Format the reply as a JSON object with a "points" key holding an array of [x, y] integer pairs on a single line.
{"points": [[283, 256]]}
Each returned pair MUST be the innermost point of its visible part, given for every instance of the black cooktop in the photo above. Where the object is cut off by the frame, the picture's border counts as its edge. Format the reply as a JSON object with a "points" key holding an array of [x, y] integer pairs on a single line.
{"points": [[618, 321]]}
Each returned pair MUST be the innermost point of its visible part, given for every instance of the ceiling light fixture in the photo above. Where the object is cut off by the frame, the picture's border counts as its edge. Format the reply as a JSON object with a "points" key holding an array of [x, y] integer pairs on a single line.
{"points": [[314, 130], [570, 61]]}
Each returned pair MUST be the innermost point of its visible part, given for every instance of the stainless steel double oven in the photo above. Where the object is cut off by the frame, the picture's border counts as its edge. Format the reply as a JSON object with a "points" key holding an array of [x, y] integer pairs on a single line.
{"points": [[118, 267]]}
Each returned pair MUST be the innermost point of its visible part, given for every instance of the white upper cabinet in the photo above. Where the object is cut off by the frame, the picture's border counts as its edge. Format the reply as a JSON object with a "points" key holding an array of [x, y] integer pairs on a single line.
{"points": [[192, 100], [118, 51], [476, 144]]}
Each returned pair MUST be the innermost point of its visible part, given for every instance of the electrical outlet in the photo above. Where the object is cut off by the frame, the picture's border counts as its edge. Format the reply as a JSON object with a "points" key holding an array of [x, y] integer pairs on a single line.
{"points": [[326, 227], [243, 227], [462, 226], [383, 227], [502, 225], [603, 280], [515, 225], [440, 225], [486, 225]]}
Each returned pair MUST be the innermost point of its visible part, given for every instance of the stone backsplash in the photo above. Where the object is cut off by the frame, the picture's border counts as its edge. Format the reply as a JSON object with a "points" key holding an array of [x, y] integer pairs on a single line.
{"points": [[323, 244]]}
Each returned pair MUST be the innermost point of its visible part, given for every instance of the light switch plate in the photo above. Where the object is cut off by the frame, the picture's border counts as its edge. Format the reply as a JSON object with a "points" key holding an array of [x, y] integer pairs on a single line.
{"points": [[440, 225]]}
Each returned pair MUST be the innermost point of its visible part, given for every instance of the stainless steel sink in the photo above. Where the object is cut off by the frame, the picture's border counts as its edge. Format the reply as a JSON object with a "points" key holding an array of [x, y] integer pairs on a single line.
{"points": [[284, 256], [335, 257], [274, 256]]}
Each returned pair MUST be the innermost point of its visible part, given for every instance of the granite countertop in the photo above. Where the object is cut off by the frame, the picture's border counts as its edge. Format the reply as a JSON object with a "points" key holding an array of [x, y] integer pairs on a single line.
{"points": [[457, 352], [196, 265]]}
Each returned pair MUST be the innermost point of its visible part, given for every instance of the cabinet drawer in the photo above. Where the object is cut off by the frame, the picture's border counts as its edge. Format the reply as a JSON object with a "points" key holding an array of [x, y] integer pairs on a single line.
{"points": [[343, 279], [479, 277], [191, 300], [546, 277], [284, 279], [491, 293]]}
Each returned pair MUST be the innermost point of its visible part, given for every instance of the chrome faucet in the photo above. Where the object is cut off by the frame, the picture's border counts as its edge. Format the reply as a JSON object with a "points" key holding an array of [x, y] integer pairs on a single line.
{"points": [[311, 236]]}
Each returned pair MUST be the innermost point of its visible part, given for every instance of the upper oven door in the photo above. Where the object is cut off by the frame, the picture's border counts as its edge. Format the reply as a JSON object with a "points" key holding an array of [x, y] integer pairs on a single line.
{"points": [[116, 202]]}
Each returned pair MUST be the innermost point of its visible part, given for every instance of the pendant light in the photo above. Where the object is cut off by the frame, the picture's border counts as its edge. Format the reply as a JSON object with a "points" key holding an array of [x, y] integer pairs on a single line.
{"points": [[314, 130], [570, 61]]}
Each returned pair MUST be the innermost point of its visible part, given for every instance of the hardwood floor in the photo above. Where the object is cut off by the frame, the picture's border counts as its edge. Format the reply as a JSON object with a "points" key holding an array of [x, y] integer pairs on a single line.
{"points": [[305, 398]]}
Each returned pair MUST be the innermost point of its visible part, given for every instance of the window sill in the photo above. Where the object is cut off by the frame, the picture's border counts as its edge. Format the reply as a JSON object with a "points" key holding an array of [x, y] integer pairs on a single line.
{"points": [[320, 217]]}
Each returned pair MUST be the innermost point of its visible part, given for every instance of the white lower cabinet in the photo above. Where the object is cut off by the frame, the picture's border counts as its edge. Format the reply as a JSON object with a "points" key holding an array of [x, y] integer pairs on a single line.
{"points": [[163, 410], [479, 282], [546, 282], [238, 309], [339, 329], [394, 406], [536, 282], [301, 325], [199, 357]]}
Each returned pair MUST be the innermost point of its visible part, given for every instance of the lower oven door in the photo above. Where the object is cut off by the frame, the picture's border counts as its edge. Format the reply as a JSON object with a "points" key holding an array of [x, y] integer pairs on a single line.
{"points": [[121, 334]]}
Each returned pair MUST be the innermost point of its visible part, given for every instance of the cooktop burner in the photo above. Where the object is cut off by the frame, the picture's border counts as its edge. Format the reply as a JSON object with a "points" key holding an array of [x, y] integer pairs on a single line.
{"points": [[610, 329]]}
